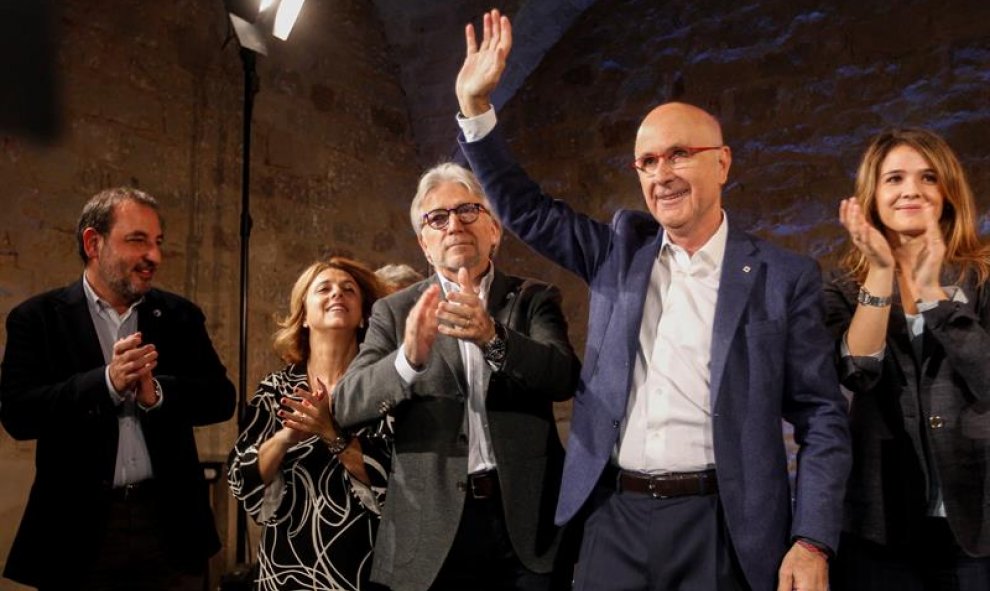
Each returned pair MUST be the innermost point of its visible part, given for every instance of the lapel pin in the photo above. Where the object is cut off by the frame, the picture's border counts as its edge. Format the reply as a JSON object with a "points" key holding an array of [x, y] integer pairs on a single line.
{"points": [[156, 313], [746, 269]]}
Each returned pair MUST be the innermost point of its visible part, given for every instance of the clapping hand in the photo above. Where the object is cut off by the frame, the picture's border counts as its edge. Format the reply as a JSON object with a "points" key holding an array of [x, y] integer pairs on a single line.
{"points": [[928, 266], [864, 236], [464, 315], [309, 413]]}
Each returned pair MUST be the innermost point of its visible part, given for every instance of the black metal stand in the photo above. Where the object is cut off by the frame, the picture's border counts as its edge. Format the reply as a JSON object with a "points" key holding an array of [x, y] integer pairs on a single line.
{"points": [[251, 85]]}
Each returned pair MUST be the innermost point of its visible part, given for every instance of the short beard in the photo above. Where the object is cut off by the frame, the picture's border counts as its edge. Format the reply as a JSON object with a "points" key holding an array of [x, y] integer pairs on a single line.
{"points": [[117, 281]]}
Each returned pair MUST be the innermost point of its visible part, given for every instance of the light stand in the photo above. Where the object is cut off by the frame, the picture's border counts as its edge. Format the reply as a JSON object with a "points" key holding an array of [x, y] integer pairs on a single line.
{"points": [[251, 87], [252, 22]]}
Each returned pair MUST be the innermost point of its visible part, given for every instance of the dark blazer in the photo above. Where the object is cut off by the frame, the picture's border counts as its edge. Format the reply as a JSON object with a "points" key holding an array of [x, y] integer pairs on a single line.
{"points": [[53, 389], [426, 489], [900, 407], [770, 360]]}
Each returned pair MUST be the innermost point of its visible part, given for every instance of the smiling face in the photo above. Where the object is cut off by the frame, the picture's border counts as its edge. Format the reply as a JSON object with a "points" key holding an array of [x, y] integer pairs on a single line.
{"points": [[906, 183], [459, 244], [333, 302], [123, 262], [687, 201]]}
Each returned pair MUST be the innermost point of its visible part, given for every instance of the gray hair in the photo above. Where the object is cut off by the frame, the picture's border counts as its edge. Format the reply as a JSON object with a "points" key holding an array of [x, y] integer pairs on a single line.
{"points": [[447, 172], [398, 276], [98, 213]]}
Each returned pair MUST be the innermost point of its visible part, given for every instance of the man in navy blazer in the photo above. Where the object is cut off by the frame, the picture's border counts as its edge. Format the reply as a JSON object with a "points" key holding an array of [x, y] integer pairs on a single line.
{"points": [[701, 339], [109, 376]]}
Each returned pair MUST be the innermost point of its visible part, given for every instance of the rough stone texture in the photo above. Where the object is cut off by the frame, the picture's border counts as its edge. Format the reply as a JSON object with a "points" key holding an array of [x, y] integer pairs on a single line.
{"points": [[152, 97], [428, 72], [799, 88]]}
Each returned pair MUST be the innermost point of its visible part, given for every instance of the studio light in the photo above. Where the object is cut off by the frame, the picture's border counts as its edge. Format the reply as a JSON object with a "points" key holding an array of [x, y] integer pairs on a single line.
{"points": [[255, 20], [285, 17]]}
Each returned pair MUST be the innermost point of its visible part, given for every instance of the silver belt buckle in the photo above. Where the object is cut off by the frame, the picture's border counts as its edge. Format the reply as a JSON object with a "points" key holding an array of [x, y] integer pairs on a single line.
{"points": [[652, 487]]}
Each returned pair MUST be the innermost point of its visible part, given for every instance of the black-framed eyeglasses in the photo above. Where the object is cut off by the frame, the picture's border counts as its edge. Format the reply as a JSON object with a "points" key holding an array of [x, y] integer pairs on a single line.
{"points": [[676, 158], [467, 213]]}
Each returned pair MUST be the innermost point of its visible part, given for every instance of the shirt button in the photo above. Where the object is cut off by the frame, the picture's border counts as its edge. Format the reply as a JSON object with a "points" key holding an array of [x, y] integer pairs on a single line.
{"points": [[936, 422], [615, 424]]}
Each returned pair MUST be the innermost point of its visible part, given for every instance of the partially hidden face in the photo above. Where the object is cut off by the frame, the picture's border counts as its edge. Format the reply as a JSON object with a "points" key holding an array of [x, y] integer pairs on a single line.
{"points": [[333, 302], [906, 184], [459, 244]]}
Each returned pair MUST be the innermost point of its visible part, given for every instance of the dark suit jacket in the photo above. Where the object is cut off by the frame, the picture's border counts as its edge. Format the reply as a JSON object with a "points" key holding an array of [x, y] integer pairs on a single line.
{"points": [[426, 489], [900, 407], [771, 359], [53, 389]]}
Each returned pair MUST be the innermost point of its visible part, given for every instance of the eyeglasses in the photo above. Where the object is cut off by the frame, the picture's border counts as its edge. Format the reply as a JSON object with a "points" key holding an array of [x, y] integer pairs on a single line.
{"points": [[467, 213], [676, 158]]}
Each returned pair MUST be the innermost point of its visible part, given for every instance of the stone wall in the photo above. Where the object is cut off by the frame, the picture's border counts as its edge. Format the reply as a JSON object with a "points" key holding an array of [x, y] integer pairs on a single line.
{"points": [[152, 97], [800, 87]]}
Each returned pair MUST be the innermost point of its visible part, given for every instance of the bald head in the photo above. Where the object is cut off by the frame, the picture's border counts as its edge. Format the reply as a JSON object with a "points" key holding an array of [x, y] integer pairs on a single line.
{"points": [[683, 166], [682, 120]]}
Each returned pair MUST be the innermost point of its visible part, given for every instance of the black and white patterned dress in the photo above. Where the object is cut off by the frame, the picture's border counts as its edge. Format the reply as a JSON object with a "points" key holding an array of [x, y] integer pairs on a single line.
{"points": [[319, 522]]}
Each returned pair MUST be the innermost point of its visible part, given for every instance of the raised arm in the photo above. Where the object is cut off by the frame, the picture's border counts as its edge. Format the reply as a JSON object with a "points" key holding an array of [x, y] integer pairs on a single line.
{"points": [[868, 329], [483, 63]]}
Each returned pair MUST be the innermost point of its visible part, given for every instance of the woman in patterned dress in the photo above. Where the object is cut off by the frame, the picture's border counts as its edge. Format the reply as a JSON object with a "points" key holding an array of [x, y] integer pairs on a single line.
{"points": [[316, 490]]}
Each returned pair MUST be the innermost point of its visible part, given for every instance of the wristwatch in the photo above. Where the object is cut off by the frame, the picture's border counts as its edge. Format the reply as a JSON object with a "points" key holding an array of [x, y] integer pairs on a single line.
{"points": [[494, 350], [338, 443], [868, 299]]}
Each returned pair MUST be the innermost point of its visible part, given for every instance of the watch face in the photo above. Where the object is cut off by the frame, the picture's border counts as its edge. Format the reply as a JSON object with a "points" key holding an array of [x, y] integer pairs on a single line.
{"points": [[495, 350]]}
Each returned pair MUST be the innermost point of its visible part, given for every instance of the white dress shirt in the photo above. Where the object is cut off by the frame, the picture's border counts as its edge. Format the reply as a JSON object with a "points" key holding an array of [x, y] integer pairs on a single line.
{"points": [[668, 423], [481, 456]]}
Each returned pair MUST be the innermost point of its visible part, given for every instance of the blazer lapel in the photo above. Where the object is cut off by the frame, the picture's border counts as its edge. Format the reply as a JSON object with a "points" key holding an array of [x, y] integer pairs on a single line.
{"points": [[81, 328], [627, 312], [446, 347], [82, 339], [499, 304], [150, 318], [740, 267], [640, 271]]}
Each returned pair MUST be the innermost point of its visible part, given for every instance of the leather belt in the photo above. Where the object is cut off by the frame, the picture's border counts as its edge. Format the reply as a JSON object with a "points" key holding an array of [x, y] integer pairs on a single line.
{"points": [[136, 491], [663, 486], [483, 485]]}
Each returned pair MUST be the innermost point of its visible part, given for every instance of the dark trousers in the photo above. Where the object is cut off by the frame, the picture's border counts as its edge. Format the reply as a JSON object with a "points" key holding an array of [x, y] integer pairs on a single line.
{"points": [[634, 542], [481, 557], [131, 554], [933, 563]]}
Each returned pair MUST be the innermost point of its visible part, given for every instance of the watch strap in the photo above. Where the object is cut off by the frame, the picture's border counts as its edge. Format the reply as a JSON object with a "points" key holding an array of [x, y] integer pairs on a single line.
{"points": [[868, 299]]}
